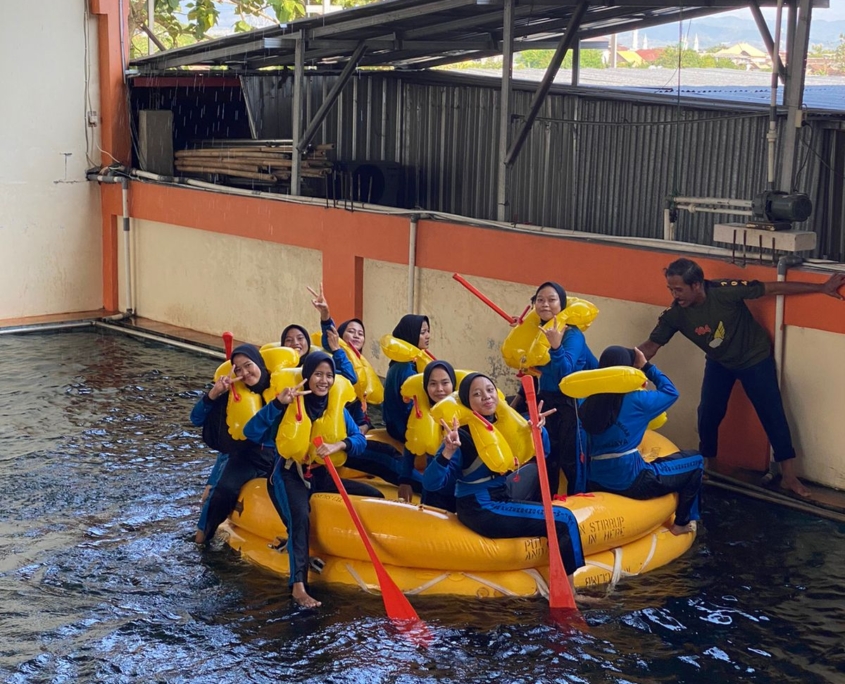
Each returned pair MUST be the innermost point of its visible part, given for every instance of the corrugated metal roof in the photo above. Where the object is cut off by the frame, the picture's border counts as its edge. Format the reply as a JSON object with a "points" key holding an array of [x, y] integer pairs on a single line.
{"points": [[425, 33]]}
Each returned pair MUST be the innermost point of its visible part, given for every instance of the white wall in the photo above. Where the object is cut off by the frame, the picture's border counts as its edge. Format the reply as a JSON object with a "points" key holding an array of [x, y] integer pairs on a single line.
{"points": [[50, 229]]}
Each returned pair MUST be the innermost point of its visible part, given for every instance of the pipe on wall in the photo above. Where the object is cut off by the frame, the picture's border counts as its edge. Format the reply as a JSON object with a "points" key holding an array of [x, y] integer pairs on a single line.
{"points": [[412, 262]]}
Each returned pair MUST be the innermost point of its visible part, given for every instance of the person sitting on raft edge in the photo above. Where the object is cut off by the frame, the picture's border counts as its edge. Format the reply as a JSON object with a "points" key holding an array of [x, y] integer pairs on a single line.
{"points": [[483, 501], [615, 425], [290, 487]]}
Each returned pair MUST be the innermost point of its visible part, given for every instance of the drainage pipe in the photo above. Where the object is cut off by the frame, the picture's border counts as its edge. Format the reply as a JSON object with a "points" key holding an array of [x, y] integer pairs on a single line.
{"points": [[412, 262], [127, 255], [44, 327], [162, 340], [772, 134]]}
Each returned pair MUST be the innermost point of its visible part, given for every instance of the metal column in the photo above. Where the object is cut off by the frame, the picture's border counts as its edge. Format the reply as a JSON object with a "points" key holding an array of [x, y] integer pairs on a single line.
{"points": [[298, 77], [566, 42], [505, 97], [794, 93]]}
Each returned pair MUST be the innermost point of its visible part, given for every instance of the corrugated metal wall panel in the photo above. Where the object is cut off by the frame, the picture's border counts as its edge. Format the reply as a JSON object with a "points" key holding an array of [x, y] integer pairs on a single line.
{"points": [[594, 164]]}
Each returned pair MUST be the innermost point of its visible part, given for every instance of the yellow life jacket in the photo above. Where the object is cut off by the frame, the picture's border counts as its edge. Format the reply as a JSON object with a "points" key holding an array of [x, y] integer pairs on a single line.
{"points": [[423, 432], [297, 432], [403, 352], [368, 388], [527, 347], [502, 446], [610, 380], [243, 403]]}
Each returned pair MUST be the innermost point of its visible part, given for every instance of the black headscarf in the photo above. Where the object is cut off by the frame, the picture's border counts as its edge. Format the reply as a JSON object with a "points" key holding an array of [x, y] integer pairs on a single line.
{"points": [[438, 364], [409, 328], [307, 338], [252, 353], [342, 327], [557, 288], [600, 411], [315, 406]]}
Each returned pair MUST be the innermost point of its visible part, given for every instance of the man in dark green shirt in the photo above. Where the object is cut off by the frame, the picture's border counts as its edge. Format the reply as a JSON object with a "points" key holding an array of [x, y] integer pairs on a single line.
{"points": [[713, 315]]}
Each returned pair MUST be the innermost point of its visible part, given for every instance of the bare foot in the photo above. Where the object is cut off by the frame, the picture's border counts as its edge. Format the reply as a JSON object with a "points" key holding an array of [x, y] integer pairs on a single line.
{"points": [[586, 599], [205, 493], [794, 485], [303, 598], [678, 530], [199, 538], [790, 480]]}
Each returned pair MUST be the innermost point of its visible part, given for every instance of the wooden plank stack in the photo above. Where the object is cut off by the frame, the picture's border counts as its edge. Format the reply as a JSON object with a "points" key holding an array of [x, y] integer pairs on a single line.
{"points": [[269, 162]]}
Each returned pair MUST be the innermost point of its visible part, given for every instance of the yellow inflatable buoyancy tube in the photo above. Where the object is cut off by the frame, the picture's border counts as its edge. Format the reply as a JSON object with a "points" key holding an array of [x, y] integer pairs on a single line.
{"points": [[503, 446], [368, 388], [243, 403], [645, 554], [296, 435], [403, 352], [610, 380], [423, 537], [527, 347]]}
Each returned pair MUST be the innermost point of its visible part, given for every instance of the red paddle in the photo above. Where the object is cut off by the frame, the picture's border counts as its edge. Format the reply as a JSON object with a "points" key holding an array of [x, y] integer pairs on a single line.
{"points": [[560, 593], [398, 608], [499, 310]]}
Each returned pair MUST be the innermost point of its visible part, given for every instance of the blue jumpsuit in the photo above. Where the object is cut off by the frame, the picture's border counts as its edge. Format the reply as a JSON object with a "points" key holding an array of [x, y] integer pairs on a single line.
{"points": [[484, 504], [290, 488], [616, 464]]}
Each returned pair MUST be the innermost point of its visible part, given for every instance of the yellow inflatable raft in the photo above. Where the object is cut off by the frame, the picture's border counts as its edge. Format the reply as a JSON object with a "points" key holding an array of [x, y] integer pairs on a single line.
{"points": [[428, 551]]}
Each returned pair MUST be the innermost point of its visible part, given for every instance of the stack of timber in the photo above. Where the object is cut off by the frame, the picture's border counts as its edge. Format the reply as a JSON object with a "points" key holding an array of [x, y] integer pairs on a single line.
{"points": [[269, 162]]}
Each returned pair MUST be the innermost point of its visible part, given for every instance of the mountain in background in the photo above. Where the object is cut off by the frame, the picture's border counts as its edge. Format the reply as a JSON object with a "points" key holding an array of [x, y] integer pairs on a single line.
{"points": [[729, 30]]}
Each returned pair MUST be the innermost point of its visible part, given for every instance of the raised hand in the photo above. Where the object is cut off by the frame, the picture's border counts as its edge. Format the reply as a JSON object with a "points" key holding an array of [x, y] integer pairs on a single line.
{"points": [[320, 303], [452, 439], [541, 414], [220, 387], [639, 358], [554, 334], [288, 394], [332, 339]]}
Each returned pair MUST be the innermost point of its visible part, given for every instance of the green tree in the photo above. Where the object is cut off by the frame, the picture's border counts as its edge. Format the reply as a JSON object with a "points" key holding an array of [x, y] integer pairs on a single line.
{"points": [[178, 22], [839, 53], [539, 59]]}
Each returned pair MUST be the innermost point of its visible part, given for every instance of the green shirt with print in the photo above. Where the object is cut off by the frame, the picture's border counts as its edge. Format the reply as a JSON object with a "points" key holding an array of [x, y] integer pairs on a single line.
{"points": [[722, 325]]}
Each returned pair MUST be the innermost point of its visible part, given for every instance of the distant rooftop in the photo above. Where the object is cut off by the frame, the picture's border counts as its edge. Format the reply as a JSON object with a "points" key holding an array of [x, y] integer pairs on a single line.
{"points": [[824, 94]]}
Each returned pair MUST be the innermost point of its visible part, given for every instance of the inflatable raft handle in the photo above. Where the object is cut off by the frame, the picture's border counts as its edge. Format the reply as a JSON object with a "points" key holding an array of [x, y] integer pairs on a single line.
{"points": [[560, 593], [396, 604]]}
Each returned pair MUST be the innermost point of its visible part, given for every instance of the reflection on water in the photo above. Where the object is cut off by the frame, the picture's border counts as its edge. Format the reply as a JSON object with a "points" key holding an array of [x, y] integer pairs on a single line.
{"points": [[100, 473]]}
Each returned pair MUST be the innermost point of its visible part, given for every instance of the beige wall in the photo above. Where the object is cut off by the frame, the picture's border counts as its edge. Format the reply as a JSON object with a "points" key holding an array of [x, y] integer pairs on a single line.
{"points": [[814, 396], [212, 283], [50, 218]]}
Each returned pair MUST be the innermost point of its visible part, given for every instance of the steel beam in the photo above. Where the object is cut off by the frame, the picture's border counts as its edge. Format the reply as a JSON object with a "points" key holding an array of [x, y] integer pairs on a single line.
{"points": [[298, 77], [794, 94], [383, 18], [330, 99], [505, 99], [766, 35], [543, 89]]}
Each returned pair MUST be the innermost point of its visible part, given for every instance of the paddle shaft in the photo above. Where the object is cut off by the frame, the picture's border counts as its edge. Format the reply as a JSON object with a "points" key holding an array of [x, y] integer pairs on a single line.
{"points": [[560, 593], [395, 602], [499, 310]]}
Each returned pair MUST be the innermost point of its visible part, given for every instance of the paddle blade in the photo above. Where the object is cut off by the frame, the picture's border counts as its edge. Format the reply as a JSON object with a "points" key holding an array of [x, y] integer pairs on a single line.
{"points": [[396, 604], [560, 593]]}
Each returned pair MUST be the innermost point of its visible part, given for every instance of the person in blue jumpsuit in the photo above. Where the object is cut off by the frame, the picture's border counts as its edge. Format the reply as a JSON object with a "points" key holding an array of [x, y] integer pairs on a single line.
{"points": [[241, 460], [568, 353], [290, 485], [353, 333], [615, 425], [484, 503]]}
